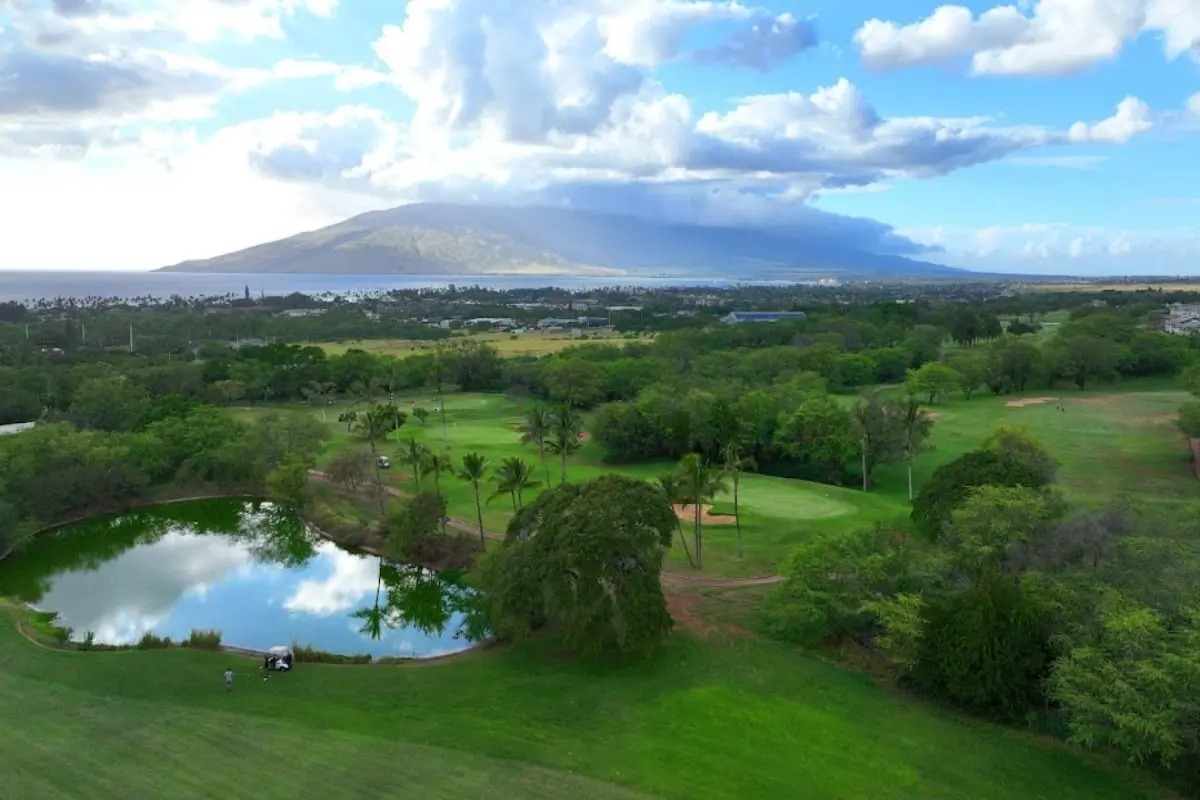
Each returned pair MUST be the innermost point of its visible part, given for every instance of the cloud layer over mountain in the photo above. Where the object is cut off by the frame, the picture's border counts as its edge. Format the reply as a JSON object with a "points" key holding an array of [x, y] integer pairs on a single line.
{"points": [[162, 131]]}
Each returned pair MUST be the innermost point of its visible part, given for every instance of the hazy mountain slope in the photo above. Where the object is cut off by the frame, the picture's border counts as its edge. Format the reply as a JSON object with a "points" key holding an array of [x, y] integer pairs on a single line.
{"points": [[447, 239]]}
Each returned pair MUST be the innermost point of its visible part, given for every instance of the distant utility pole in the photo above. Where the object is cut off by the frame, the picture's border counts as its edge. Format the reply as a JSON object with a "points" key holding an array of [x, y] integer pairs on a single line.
{"points": [[131, 340], [83, 334]]}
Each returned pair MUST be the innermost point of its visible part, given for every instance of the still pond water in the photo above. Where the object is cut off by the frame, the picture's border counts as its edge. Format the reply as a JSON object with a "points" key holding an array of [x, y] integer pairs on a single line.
{"points": [[246, 569]]}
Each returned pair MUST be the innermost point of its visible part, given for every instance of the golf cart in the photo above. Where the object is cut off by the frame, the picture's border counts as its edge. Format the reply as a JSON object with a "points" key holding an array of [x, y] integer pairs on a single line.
{"points": [[384, 462], [278, 659]]}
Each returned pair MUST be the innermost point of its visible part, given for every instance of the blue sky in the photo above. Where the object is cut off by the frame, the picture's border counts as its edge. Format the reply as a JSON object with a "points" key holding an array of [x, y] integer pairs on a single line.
{"points": [[1060, 136]]}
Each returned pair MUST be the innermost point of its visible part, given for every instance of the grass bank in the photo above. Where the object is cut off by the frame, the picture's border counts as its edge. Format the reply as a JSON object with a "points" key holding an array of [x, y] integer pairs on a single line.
{"points": [[724, 717]]}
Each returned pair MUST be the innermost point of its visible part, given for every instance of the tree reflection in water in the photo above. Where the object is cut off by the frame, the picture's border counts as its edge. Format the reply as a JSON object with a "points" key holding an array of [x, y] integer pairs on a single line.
{"points": [[415, 597]]}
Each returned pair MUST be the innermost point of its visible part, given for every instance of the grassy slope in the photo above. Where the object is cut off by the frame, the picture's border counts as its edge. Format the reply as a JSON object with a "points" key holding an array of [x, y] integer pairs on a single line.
{"points": [[719, 718]]}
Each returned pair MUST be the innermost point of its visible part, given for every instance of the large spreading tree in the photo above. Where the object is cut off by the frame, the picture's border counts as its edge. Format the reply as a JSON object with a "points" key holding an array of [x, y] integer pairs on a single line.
{"points": [[582, 562]]}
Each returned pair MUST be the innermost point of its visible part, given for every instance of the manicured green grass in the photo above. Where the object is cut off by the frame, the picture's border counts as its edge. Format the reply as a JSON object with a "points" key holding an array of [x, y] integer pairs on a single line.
{"points": [[1110, 441], [714, 718]]}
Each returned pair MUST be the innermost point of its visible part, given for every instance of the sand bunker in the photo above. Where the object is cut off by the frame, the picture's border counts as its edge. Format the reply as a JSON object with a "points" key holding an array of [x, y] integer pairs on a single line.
{"points": [[932, 414], [688, 513], [1030, 401], [585, 437]]}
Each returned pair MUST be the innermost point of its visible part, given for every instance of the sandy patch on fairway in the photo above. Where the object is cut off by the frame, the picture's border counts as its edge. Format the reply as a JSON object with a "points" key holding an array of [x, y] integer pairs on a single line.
{"points": [[585, 437], [688, 513], [932, 414], [1158, 419], [1030, 401]]}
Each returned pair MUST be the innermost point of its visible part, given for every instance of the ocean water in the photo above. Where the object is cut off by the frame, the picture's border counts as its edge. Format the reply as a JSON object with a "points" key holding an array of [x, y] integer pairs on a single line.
{"points": [[29, 285]]}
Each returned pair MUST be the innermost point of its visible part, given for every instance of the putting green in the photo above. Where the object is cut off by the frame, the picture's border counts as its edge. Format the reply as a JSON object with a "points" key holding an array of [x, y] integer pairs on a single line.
{"points": [[790, 499]]}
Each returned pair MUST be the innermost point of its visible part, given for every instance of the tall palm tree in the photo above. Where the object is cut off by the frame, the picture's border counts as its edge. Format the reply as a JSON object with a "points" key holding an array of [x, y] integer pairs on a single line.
{"points": [[374, 425], [915, 426], [513, 477], [699, 483], [536, 430], [668, 484], [565, 427], [734, 463], [474, 471], [414, 455], [435, 464]]}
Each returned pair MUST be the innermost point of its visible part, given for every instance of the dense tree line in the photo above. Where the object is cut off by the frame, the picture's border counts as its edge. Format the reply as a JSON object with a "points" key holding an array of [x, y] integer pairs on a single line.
{"points": [[1005, 600], [57, 471]]}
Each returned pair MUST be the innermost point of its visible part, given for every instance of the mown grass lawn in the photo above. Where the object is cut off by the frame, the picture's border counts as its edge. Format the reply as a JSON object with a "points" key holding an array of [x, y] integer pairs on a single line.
{"points": [[1110, 441], [715, 718]]}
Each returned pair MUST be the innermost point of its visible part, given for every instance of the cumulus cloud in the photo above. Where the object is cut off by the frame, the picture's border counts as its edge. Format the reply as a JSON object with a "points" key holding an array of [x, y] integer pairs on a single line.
{"points": [[1056, 248], [1053, 37], [762, 44]]}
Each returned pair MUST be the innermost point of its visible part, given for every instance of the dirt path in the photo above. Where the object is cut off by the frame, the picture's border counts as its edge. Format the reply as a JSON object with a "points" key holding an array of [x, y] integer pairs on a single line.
{"points": [[682, 581]]}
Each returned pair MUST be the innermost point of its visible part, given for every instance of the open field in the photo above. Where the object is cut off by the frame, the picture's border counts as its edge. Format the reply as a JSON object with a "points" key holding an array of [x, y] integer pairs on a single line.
{"points": [[721, 717], [530, 343]]}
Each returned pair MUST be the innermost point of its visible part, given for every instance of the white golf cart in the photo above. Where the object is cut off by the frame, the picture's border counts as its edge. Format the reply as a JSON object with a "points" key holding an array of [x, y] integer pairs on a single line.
{"points": [[279, 659]]}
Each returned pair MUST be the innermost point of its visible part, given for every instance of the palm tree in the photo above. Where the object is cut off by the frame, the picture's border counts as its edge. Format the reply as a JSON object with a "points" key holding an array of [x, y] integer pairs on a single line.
{"points": [[374, 425], [734, 463], [414, 456], [699, 483], [373, 617], [513, 477], [668, 484], [915, 426], [435, 464], [474, 471], [536, 430], [565, 427]]}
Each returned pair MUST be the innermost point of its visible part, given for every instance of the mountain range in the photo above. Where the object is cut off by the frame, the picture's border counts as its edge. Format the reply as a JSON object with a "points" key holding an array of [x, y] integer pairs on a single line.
{"points": [[461, 239]]}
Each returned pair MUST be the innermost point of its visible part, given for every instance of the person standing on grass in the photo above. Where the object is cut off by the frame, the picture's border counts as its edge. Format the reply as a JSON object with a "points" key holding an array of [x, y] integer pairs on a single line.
{"points": [[228, 680]]}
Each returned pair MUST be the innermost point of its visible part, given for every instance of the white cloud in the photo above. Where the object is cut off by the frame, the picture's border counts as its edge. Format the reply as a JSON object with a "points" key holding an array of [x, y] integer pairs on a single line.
{"points": [[1133, 117], [1058, 248], [1051, 37], [550, 101]]}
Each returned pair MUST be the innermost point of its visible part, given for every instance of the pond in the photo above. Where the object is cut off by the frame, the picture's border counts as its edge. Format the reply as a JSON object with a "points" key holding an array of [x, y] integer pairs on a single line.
{"points": [[247, 569]]}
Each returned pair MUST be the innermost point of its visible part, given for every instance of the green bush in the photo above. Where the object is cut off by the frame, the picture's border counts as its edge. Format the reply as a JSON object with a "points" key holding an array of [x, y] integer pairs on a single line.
{"points": [[1189, 419], [151, 642], [203, 640], [984, 648], [306, 654]]}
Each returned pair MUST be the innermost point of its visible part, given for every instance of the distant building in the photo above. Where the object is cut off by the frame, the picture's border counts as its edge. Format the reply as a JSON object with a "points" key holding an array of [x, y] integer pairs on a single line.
{"points": [[1182, 319], [495, 322], [734, 317], [302, 312], [16, 427]]}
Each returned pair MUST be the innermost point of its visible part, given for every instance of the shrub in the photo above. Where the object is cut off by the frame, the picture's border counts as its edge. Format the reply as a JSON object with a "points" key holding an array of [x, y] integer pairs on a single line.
{"points": [[306, 654], [203, 640], [150, 641], [1189, 420], [984, 649], [829, 579]]}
